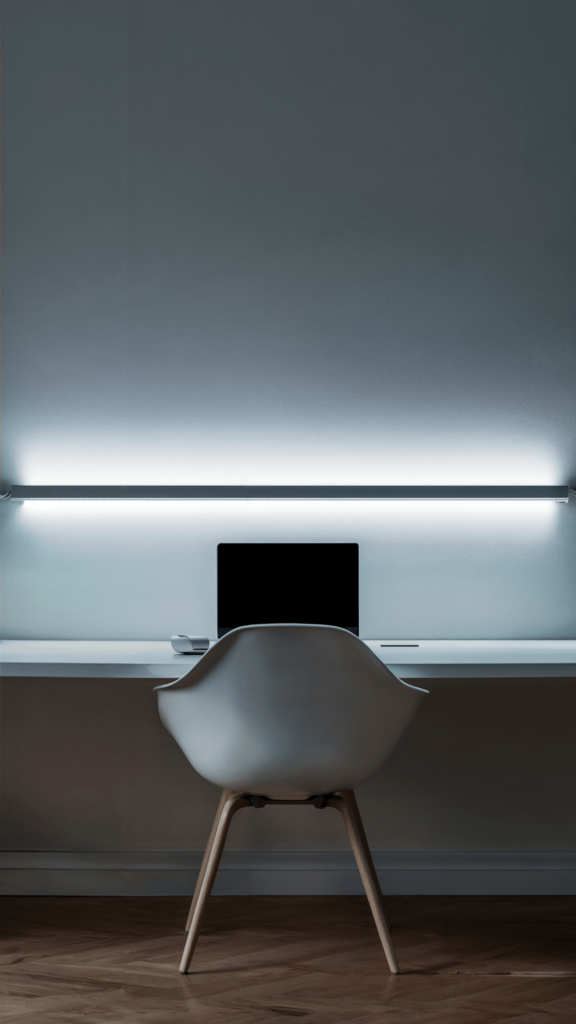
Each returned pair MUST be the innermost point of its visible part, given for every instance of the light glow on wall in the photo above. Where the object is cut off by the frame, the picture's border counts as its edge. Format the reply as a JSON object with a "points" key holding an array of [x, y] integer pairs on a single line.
{"points": [[311, 456], [318, 520]]}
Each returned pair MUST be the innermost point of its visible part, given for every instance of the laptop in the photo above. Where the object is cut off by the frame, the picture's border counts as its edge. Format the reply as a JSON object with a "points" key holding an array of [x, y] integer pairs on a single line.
{"points": [[308, 583]]}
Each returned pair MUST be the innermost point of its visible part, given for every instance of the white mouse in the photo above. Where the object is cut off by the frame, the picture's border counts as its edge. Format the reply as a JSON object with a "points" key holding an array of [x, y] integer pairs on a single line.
{"points": [[183, 644]]}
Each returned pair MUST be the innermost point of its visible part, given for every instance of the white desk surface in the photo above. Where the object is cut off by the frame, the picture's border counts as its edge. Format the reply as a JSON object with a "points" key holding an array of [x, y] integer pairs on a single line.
{"points": [[409, 659]]}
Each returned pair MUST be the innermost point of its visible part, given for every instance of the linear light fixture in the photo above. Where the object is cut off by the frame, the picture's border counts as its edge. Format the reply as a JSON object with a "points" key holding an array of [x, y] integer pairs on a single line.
{"points": [[312, 492]]}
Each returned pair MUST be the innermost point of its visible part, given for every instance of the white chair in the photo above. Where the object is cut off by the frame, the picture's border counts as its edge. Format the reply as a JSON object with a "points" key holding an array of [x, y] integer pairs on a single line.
{"points": [[282, 714]]}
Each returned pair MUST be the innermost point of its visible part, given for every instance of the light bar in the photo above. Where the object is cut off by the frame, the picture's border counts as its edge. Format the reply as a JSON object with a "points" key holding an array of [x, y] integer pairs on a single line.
{"points": [[314, 493]]}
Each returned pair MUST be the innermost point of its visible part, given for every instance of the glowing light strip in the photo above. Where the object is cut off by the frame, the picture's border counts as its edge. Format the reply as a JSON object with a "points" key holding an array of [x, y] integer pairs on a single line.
{"points": [[238, 492]]}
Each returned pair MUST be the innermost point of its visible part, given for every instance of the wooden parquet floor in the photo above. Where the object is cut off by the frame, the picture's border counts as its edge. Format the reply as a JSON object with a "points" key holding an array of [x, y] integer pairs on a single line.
{"points": [[464, 960]]}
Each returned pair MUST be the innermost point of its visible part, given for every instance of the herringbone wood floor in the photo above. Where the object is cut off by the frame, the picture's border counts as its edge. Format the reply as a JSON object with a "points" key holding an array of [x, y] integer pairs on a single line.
{"points": [[464, 960]]}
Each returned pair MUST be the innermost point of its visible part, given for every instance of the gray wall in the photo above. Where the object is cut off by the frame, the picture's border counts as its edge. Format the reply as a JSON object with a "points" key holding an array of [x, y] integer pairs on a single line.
{"points": [[309, 242], [289, 242]]}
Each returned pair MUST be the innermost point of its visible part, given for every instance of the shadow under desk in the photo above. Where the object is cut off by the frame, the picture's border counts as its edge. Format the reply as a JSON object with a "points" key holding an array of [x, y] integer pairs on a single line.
{"points": [[98, 799]]}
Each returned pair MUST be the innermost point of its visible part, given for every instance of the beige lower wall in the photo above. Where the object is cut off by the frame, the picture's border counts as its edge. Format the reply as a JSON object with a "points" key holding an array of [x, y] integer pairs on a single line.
{"points": [[486, 765]]}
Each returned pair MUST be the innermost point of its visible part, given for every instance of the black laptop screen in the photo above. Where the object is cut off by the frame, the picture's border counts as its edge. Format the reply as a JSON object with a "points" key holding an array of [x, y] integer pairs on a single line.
{"points": [[311, 583]]}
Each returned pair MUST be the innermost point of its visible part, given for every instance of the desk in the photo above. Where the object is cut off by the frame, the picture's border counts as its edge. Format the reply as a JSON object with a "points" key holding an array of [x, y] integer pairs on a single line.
{"points": [[408, 659]]}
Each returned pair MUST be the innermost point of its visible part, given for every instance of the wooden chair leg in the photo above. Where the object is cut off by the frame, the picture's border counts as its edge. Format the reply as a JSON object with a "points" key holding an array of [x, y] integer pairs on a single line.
{"points": [[350, 797], [206, 857], [342, 803], [231, 804]]}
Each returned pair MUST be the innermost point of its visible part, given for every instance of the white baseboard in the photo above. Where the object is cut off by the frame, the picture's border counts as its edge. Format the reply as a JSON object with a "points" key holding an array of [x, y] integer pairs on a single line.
{"points": [[291, 873]]}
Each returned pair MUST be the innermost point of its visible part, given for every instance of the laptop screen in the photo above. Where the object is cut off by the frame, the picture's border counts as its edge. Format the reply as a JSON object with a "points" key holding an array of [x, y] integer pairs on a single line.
{"points": [[310, 583]]}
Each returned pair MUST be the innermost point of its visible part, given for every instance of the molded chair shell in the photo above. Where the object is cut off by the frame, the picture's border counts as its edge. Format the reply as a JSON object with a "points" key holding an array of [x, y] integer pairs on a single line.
{"points": [[288, 711]]}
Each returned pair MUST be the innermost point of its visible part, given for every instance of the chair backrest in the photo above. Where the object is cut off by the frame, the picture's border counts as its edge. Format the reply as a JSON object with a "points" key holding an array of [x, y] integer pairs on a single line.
{"points": [[288, 711]]}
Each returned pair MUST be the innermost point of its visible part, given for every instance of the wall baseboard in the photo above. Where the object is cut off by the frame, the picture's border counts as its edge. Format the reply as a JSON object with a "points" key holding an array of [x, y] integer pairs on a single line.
{"points": [[290, 873]]}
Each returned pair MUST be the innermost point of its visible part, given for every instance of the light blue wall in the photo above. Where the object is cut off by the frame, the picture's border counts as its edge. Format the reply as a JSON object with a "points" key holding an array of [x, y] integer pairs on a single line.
{"points": [[326, 242]]}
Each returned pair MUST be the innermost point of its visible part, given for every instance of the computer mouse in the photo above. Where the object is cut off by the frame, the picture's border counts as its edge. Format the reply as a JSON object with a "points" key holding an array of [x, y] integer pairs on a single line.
{"points": [[183, 644]]}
